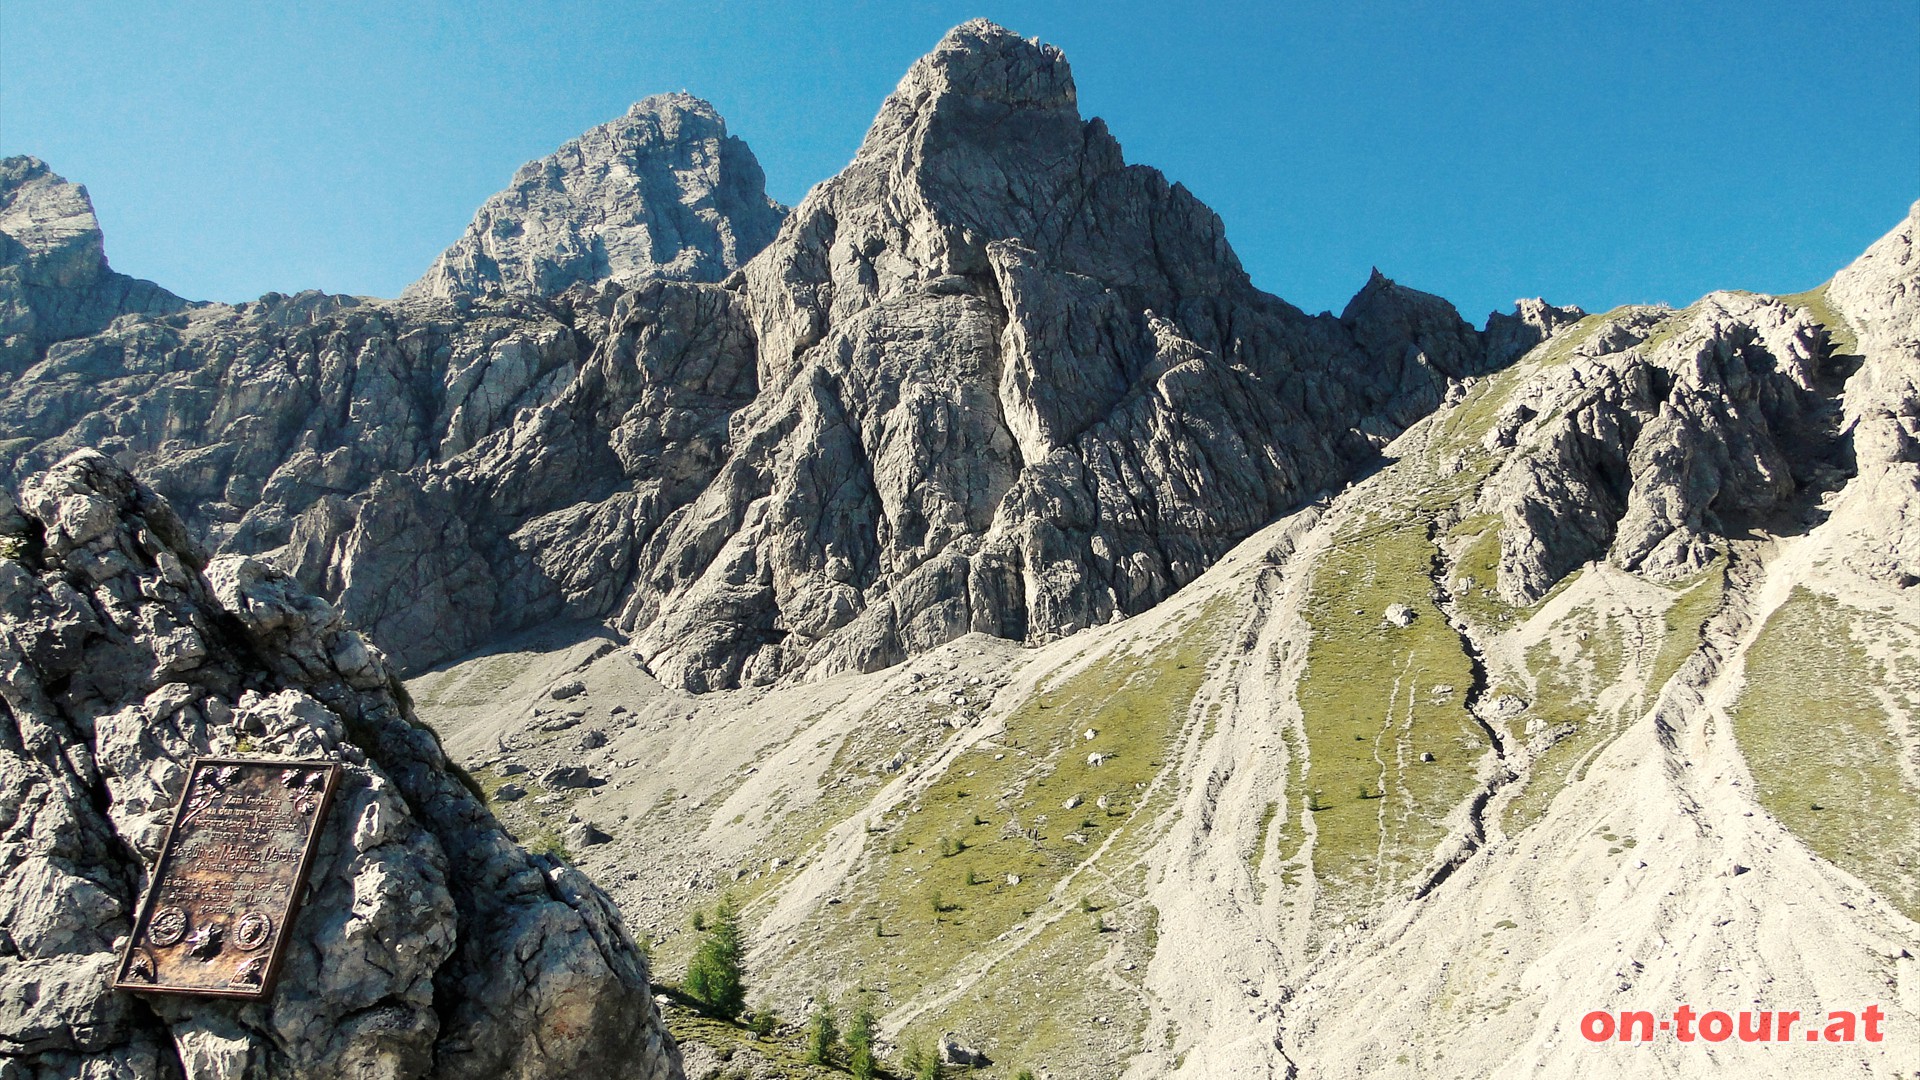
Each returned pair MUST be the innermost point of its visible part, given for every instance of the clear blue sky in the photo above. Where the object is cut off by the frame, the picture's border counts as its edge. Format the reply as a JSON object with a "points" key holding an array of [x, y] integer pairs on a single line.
{"points": [[1593, 153]]}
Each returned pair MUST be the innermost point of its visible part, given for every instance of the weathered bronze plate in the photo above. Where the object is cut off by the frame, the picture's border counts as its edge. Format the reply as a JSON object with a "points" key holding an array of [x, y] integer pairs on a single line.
{"points": [[215, 918]]}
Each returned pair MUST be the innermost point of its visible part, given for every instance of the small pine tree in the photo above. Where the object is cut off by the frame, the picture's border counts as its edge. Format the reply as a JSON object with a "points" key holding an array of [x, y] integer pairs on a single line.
{"points": [[716, 977], [861, 1064], [860, 1033], [918, 1063], [1024, 1074], [763, 1021], [823, 1037]]}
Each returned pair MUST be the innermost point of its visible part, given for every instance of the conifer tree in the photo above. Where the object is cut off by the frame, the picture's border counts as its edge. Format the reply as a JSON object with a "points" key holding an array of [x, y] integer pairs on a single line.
{"points": [[716, 977], [823, 1037]]}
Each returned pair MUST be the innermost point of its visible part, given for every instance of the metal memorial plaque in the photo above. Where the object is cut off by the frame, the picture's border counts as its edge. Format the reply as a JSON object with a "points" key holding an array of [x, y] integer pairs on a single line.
{"points": [[215, 918]]}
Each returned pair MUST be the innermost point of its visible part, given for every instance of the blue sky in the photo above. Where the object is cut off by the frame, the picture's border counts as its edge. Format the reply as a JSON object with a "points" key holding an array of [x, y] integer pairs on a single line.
{"points": [[1592, 153]]}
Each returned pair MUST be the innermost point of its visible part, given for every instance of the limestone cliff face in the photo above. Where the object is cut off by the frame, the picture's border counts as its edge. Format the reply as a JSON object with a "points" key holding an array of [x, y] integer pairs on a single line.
{"points": [[54, 280], [989, 378], [245, 416], [1010, 384], [1659, 435], [122, 656], [1879, 297], [662, 192]]}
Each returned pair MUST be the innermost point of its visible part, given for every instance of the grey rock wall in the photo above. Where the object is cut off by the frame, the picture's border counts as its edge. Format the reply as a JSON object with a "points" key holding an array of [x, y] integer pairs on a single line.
{"points": [[661, 192], [430, 945], [245, 416], [989, 378], [54, 280], [1660, 435]]}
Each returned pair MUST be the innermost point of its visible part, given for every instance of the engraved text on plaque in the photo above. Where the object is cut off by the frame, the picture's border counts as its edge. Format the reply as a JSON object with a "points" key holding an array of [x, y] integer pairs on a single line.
{"points": [[215, 917]]}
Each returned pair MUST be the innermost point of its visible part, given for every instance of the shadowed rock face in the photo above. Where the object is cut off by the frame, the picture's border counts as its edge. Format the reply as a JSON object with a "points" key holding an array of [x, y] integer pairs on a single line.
{"points": [[989, 378], [54, 280], [1879, 295], [246, 415], [662, 192], [1660, 435], [122, 658]]}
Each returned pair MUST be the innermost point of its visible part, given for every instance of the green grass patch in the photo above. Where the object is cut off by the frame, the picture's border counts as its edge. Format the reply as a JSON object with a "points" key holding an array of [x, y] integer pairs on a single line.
{"points": [[1564, 701], [782, 1052], [1667, 328], [1839, 331], [1824, 749], [1367, 698], [1697, 602], [1563, 345], [951, 874], [546, 841]]}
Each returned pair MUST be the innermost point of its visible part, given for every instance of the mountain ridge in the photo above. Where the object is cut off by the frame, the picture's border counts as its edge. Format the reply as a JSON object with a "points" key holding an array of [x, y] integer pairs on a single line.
{"points": [[1096, 312], [55, 284]]}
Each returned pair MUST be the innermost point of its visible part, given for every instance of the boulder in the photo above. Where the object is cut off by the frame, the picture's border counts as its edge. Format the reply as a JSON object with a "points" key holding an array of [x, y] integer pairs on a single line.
{"points": [[124, 654]]}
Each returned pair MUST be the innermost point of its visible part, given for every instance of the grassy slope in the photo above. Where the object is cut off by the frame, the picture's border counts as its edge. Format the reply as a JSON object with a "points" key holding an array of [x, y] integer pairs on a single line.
{"points": [[1371, 706], [1825, 747], [981, 856], [1814, 300]]}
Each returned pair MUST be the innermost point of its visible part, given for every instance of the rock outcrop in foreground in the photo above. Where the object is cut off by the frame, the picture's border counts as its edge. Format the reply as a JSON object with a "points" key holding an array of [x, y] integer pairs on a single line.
{"points": [[54, 280], [430, 944], [662, 192]]}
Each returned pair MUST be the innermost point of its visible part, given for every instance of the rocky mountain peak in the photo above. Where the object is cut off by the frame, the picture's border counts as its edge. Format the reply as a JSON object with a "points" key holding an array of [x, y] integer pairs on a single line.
{"points": [[983, 60], [990, 378], [661, 192], [50, 219], [54, 280]]}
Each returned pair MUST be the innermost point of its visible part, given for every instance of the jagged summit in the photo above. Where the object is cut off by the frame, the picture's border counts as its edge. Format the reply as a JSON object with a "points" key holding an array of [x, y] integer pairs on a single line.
{"points": [[55, 283], [661, 192], [989, 378], [984, 60]]}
